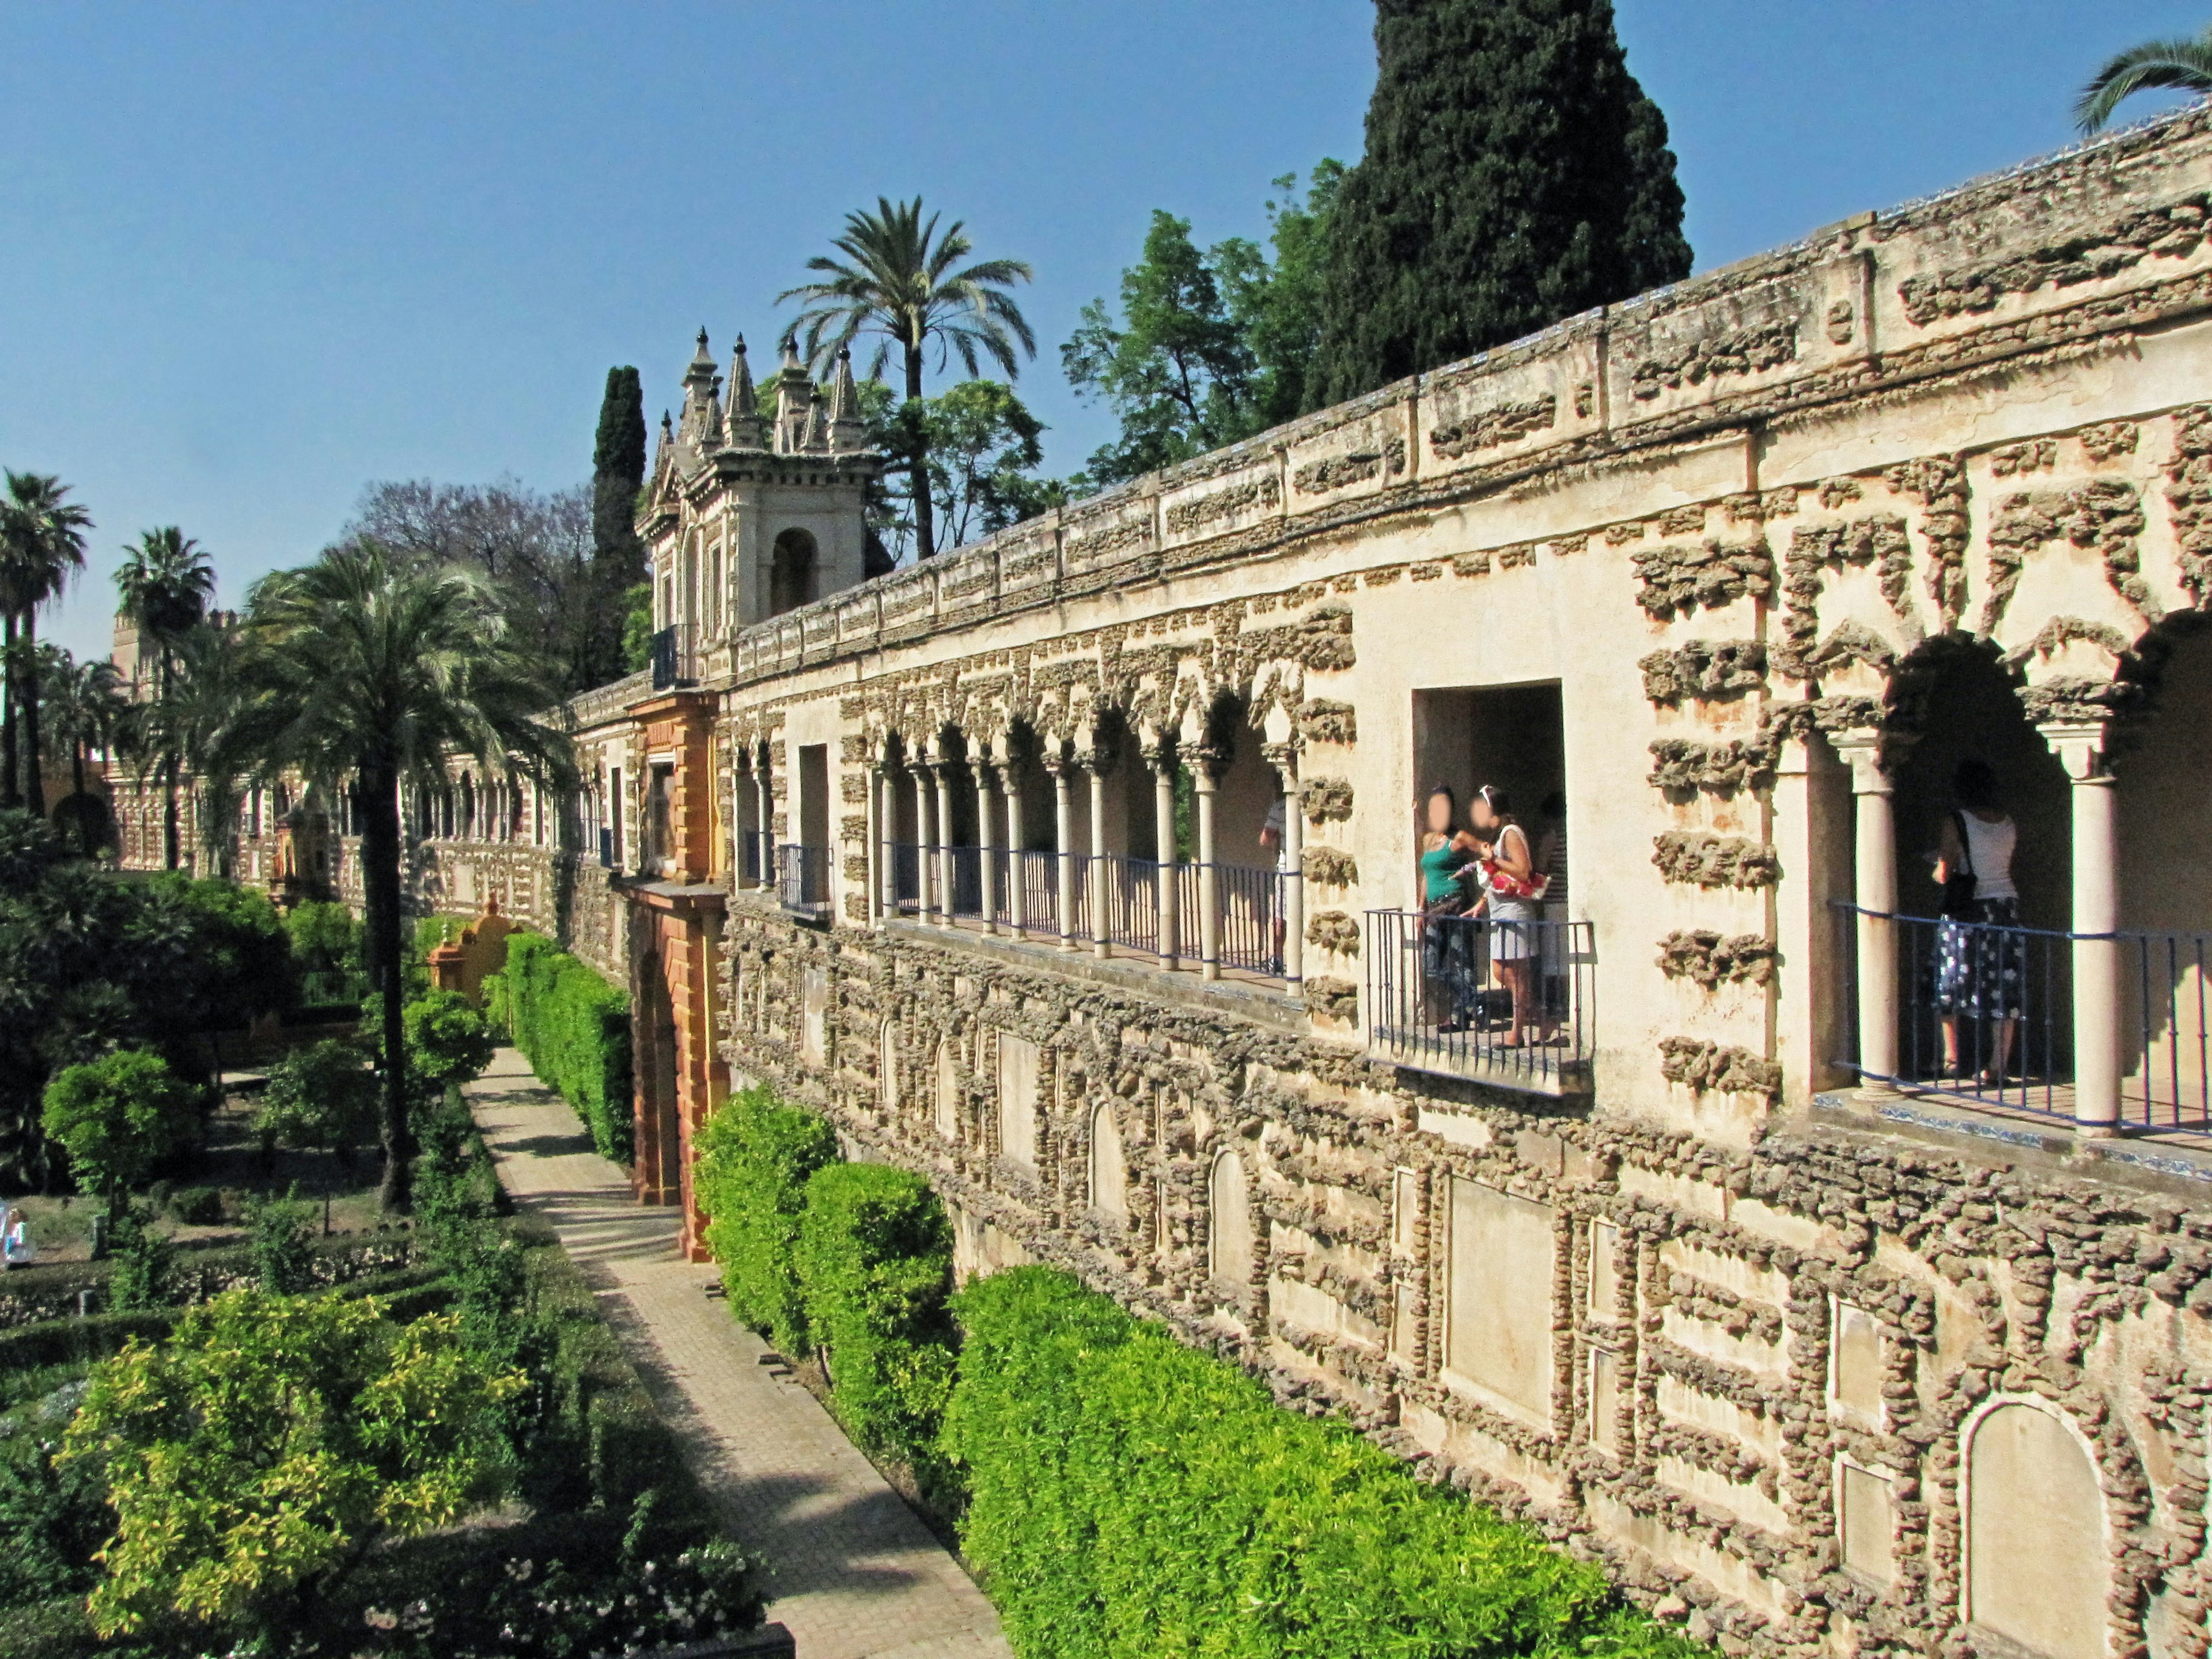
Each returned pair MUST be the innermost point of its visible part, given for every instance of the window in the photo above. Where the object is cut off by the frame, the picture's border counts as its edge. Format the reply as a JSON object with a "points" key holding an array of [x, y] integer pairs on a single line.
{"points": [[792, 578]]}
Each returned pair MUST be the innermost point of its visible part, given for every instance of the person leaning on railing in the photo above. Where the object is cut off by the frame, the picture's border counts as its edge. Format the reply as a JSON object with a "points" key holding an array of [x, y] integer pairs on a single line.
{"points": [[1516, 891], [1981, 960], [1448, 856]]}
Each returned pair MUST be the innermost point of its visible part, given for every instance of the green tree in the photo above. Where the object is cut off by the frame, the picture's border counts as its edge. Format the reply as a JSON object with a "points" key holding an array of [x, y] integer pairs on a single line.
{"points": [[165, 585], [1515, 173], [2183, 65], [86, 701], [447, 1042], [41, 546], [617, 474], [899, 278], [1175, 368], [263, 1451], [116, 1116], [323, 1096], [364, 669], [983, 455], [1277, 303]]}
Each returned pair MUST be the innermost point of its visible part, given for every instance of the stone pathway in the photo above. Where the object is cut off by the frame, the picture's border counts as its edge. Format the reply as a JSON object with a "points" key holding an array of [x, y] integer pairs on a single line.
{"points": [[851, 1572]]}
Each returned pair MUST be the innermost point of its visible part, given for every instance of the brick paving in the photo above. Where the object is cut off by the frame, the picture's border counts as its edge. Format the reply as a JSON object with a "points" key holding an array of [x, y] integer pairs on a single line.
{"points": [[851, 1572]]}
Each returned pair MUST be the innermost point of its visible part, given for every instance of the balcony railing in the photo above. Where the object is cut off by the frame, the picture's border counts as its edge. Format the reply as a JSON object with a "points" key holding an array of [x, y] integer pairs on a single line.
{"points": [[1441, 998], [2008, 998], [802, 879], [674, 660]]}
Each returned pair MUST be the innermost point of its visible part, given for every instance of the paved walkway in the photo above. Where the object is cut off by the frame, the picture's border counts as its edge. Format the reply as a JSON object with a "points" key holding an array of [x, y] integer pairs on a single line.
{"points": [[851, 1572]]}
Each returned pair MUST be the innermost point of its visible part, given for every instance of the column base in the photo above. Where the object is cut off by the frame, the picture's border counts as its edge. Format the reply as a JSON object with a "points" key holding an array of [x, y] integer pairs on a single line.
{"points": [[2096, 1132], [1873, 1093]]}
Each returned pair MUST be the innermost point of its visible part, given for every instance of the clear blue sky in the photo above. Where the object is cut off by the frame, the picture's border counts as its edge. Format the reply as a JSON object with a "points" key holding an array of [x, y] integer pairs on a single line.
{"points": [[252, 256]]}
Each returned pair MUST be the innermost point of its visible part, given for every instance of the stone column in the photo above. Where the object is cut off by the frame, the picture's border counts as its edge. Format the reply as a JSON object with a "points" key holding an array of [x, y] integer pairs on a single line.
{"points": [[1209, 884], [1161, 758], [1285, 759], [986, 838], [766, 786], [2080, 748], [886, 793], [925, 844], [1010, 786], [1098, 763], [1875, 895], [1064, 862], [944, 841]]}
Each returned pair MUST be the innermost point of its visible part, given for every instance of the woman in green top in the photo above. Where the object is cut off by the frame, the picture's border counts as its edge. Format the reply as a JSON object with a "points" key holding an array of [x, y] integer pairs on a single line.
{"points": [[1447, 852]]}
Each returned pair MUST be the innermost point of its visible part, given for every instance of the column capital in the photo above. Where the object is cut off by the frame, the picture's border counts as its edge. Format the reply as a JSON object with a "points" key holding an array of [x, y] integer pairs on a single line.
{"points": [[2081, 747], [1872, 755], [1284, 757]]}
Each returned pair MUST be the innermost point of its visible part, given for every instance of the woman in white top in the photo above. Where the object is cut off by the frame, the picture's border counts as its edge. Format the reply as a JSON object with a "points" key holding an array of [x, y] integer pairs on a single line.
{"points": [[1981, 958], [1510, 879]]}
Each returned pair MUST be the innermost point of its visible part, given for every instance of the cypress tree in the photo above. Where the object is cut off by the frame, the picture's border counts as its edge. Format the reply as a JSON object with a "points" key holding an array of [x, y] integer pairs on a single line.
{"points": [[618, 556], [1516, 174]]}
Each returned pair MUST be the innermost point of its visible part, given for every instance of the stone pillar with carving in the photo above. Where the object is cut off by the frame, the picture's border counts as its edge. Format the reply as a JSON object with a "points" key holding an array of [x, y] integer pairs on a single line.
{"points": [[1284, 757], [1160, 756], [944, 861], [765, 785], [925, 854], [1875, 901], [1209, 884], [986, 837], [885, 790], [1098, 764], [1064, 860], [1010, 786], [2081, 747]]}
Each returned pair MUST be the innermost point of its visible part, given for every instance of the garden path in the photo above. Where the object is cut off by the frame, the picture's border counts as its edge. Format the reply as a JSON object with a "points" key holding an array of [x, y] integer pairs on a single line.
{"points": [[852, 1573]]}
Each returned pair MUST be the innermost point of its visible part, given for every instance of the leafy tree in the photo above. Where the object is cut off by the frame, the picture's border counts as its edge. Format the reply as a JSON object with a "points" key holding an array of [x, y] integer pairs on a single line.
{"points": [[41, 546], [619, 463], [1175, 368], [899, 278], [372, 668], [116, 1116], [271, 1444], [637, 627], [1278, 303], [2184, 65], [322, 1097], [145, 1262], [447, 1042], [983, 455], [200, 956], [166, 585], [1515, 173], [86, 701]]}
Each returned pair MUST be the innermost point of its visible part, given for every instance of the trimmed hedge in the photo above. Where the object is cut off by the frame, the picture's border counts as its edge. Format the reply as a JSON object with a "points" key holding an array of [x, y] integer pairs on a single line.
{"points": [[574, 1028], [755, 1156], [875, 1267], [1130, 1496]]}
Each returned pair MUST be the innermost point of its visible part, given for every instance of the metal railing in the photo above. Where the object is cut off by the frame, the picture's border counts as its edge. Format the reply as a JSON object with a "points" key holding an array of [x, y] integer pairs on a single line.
{"points": [[965, 868], [908, 864], [1986, 1014], [1039, 875], [1251, 900], [673, 661], [802, 878], [1508, 1003], [1127, 891]]}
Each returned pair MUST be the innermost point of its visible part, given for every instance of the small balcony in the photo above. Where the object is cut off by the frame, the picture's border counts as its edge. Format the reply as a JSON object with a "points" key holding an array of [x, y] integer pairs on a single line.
{"points": [[1506, 1004]]}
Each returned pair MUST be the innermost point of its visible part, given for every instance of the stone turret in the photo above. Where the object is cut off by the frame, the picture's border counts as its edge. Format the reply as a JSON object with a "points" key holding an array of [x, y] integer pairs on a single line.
{"points": [[794, 393], [744, 424], [701, 432]]}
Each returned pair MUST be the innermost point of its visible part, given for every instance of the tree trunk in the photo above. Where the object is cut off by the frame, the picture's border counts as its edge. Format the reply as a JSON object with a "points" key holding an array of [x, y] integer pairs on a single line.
{"points": [[34, 776], [10, 794], [925, 511], [381, 938]]}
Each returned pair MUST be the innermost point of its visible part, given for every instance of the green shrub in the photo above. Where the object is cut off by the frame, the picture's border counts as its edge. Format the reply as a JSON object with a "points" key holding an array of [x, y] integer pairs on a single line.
{"points": [[145, 1263], [116, 1116], [755, 1158], [281, 1243], [447, 1042], [1130, 1496], [196, 1206], [323, 1096], [574, 1028], [875, 1267]]}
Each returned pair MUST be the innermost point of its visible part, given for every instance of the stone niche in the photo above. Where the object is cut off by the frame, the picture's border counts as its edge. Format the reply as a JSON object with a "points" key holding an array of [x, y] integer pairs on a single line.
{"points": [[1500, 1313], [1109, 1170], [814, 1012], [1868, 1516], [1018, 1099], [1854, 1367], [2036, 1552], [1230, 1243], [948, 1090]]}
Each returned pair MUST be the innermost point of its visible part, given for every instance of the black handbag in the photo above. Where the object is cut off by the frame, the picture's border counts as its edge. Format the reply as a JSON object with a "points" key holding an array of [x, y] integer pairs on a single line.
{"points": [[1959, 890]]}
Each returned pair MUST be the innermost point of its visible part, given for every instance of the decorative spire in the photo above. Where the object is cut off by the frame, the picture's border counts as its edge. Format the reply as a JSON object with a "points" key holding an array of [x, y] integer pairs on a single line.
{"points": [[847, 430], [744, 421], [795, 392], [702, 429], [818, 425]]}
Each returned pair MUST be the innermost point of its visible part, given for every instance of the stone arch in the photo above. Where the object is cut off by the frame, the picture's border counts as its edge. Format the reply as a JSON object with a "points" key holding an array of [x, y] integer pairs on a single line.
{"points": [[2037, 1552], [947, 1091], [794, 576], [1109, 1168], [1231, 1246]]}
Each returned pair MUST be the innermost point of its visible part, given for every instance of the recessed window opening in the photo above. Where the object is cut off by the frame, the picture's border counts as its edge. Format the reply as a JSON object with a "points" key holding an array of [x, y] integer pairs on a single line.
{"points": [[792, 579]]}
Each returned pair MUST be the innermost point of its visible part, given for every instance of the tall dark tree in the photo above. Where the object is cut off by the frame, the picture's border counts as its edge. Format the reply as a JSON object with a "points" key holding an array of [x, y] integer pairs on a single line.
{"points": [[41, 547], [1516, 174], [618, 556]]}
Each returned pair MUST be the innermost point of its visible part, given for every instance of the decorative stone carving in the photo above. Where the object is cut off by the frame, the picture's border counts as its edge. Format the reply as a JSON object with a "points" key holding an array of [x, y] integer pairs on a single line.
{"points": [[1494, 428], [1684, 763], [2036, 455], [1185, 517], [1701, 1065], [2105, 514], [1705, 958], [1938, 482], [1320, 721], [1326, 800], [1681, 577], [1339, 471], [1879, 539], [2170, 232], [2189, 497], [1739, 351], [2109, 439], [1695, 857], [1333, 930], [1708, 670], [1335, 999], [1329, 867]]}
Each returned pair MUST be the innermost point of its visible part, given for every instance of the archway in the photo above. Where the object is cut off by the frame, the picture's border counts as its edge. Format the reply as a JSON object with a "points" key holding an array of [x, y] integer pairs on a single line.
{"points": [[2038, 1564], [792, 578]]}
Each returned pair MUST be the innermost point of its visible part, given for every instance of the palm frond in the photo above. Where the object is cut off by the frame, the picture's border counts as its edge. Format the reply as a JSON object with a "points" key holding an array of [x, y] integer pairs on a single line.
{"points": [[2183, 65]]}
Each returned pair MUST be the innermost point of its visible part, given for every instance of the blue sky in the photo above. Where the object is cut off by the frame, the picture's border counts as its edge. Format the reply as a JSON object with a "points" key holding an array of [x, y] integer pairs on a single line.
{"points": [[252, 256]]}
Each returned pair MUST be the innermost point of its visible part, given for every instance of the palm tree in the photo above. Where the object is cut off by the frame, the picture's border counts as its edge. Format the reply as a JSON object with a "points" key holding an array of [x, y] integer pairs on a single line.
{"points": [[898, 279], [2183, 65], [366, 668], [166, 586], [86, 700], [41, 547]]}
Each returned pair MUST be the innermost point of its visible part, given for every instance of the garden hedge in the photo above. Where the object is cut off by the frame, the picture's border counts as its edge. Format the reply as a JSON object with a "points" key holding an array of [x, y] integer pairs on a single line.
{"points": [[756, 1155], [574, 1028], [1129, 1495], [875, 1267]]}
